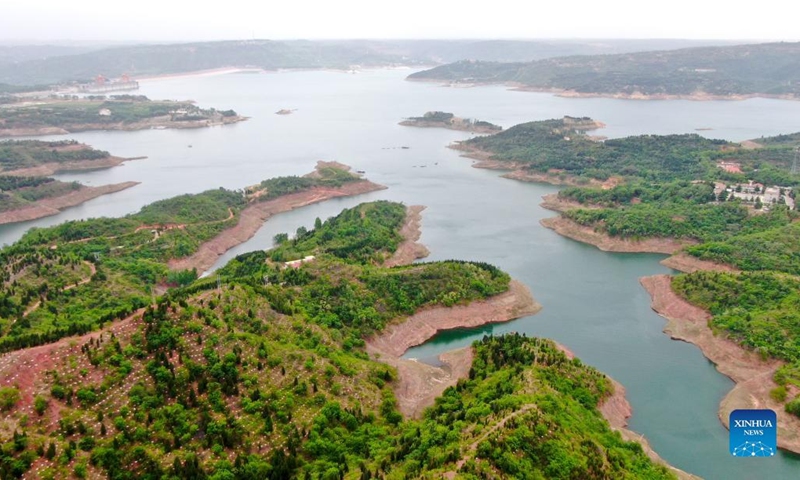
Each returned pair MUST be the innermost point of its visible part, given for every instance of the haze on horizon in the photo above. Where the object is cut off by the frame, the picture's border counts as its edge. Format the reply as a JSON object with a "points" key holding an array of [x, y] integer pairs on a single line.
{"points": [[54, 21]]}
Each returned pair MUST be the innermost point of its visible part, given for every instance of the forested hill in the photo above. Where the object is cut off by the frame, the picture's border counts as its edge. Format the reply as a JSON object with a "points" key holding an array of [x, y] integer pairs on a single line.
{"points": [[264, 374], [771, 69], [175, 58], [562, 148]]}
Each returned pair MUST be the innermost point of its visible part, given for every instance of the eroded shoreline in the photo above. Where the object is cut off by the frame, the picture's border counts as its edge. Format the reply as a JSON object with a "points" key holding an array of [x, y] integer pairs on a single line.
{"points": [[253, 217], [53, 168], [560, 92], [151, 123], [418, 383], [53, 206], [410, 249], [752, 375], [607, 243]]}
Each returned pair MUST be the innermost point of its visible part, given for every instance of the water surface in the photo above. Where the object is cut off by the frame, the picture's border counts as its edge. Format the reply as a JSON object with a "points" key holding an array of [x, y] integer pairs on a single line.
{"points": [[592, 300]]}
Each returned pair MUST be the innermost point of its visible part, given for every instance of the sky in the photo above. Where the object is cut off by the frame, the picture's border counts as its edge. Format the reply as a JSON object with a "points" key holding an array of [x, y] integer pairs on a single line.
{"points": [[43, 21]]}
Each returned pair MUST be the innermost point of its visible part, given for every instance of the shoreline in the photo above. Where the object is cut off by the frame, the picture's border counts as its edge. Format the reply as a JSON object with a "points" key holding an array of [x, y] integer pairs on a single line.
{"points": [[48, 169], [752, 375], [156, 123], [53, 206], [555, 203], [418, 384], [564, 93], [458, 127], [517, 171], [688, 264], [252, 218], [616, 409], [568, 228], [410, 249]]}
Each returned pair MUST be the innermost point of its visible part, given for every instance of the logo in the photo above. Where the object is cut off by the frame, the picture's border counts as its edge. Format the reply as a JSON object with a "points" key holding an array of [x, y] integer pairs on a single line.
{"points": [[753, 433]]}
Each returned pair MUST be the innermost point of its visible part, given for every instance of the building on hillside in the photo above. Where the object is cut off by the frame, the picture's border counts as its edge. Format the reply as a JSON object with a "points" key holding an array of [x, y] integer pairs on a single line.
{"points": [[297, 263], [752, 193]]}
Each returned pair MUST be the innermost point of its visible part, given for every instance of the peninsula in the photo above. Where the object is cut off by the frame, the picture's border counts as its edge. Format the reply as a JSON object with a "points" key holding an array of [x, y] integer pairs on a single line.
{"points": [[268, 361], [726, 211], [450, 121], [26, 190], [118, 112], [703, 73]]}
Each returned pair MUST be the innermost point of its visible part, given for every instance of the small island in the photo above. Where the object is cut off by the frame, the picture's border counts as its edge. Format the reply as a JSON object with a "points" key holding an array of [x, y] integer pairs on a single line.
{"points": [[68, 114], [448, 120], [27, 191], [285, 111]]}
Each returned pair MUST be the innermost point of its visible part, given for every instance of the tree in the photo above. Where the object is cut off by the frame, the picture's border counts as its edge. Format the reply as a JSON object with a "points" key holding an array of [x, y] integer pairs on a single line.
{"points": [[40, 404], [317, 223], [51, 451], [758, 204], [9, 396], [280, 238]]}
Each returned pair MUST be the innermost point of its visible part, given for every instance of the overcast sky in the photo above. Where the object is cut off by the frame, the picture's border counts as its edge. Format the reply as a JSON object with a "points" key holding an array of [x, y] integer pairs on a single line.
{"points": [[177, 20]]}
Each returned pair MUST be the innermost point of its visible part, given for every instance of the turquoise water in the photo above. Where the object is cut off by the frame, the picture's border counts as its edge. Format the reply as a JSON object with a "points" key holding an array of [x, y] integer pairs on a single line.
{"points": [[592, 300]]}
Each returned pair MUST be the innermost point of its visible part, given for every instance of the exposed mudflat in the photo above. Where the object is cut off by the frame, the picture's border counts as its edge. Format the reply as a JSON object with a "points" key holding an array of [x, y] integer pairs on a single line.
{"points": [[155, 122], [688, 264], [419, 384], [410, 249], [253, 216], [604, 242], [47, 169], [752, 374], [616, 409], [51, 206]]}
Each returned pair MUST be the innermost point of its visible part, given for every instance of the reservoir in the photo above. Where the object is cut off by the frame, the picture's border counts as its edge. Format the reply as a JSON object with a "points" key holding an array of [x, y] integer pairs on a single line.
{"points": [[593, 303]]}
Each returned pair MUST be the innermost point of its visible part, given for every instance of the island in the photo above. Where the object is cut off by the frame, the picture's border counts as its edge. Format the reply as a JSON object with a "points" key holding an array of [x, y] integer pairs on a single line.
{"points": [[732, 72], [450, 121], [271, 368], [724, 211], [69, 114], [26, 190]]}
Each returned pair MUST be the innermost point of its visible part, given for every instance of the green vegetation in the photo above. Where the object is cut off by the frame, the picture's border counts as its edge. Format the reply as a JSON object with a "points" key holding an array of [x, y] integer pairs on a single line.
{"points": [[94, 113], [563, 146], [757, 309], [448, 120], [362, 234], [218, 384], [21, 64], [361, 296], [773, 249], [324, 176], [759, 69], [19, 192], [531, 413], [78, 276], [671, 187], [18, 154], [265, 376]]}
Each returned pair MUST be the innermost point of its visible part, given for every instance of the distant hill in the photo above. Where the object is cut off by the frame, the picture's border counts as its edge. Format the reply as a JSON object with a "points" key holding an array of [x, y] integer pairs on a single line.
{"points": [[31, 65], [769, 69]]}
